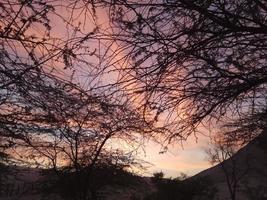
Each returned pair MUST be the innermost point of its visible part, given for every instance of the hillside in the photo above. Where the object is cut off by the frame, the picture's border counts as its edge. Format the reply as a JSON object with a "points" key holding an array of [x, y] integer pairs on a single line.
{"points": [[248, 168]]}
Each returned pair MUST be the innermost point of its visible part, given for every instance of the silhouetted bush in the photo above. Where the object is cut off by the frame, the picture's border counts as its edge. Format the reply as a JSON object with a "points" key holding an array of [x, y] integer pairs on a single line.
{"points": [[157, 177], [79, 186], [189, 189]]}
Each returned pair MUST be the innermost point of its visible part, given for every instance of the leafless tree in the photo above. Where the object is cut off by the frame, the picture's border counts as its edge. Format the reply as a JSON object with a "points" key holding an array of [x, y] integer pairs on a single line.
{"points": [[203, 61], [32, 52], [246, 127], [75, 132], [43, 45], [47, 115]]}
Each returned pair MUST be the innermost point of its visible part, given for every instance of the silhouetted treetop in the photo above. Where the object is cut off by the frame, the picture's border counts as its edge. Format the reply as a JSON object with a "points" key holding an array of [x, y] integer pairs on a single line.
{"points": [[200, 60], [186, 63]]}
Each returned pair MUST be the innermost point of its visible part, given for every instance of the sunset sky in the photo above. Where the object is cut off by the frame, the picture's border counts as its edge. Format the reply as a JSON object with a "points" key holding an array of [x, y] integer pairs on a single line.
{"points": [[189, 158], [133, 99]]}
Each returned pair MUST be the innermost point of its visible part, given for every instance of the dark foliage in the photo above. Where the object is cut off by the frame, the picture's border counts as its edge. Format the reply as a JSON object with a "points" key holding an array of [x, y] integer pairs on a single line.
{"points": [[101, 177], [189, 189]]}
